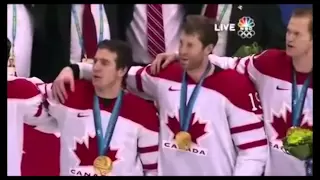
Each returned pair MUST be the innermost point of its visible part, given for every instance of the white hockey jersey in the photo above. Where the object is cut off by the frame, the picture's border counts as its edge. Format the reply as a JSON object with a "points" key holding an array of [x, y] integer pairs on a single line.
{"points": [[134, 144], [227, 134], [271, 72], [24, 104]]}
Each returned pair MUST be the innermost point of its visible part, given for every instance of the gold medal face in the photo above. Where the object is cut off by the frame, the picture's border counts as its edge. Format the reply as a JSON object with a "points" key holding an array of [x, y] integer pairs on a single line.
{"points": [[102, 165], [88, 60], [11, 61], [183, 140], [11, 66]]}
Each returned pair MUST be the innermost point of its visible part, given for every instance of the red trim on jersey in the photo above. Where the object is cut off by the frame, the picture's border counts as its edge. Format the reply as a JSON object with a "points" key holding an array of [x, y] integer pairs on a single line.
{"points": [[247, 127], [253, 144], [46, 103], [237, 63], [21, 89], [148, 149], [246, 68], [139, 80], [150, 166], [39, 111], [46, 91]]}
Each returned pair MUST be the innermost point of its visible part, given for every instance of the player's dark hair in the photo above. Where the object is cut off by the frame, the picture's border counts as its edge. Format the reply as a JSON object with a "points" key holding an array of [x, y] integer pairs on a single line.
{"points": [[124, 54], [305, 12], [122, 49], [203, 26]]}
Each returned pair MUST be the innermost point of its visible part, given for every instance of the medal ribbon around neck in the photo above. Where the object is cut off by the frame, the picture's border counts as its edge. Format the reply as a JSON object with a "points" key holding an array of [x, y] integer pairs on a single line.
{"points": [[298, 99], [11, 67], [79, 32], [223, 12], [309, 167], [14, 27], [186, 108], [104, 142]]}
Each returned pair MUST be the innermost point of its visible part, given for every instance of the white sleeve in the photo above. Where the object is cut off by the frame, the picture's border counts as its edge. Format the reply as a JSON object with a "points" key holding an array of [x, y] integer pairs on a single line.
{"points": [[245, 65], [249, 137], [223, 62], [148, 151], [247, 129], [141, 82], [148, 139], [85, 70]]}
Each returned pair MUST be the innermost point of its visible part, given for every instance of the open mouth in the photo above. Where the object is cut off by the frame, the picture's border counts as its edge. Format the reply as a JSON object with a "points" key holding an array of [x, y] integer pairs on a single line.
{"points": [[96, 77], [183, 59], [289, 46]]}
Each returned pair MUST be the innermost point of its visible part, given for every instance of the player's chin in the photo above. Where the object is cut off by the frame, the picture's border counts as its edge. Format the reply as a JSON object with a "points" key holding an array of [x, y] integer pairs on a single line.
{"points": [[191, 67], [290, 52], [97, 82], [184, 64]]}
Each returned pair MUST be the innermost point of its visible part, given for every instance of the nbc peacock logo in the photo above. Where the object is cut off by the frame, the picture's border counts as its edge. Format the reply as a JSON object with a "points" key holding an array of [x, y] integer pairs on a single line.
{"points": [[246, 25]]}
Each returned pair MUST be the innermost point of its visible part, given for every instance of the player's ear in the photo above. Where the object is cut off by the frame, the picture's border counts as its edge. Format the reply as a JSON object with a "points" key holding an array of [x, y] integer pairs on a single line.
{"points": [[208, 49], [122, 71]]}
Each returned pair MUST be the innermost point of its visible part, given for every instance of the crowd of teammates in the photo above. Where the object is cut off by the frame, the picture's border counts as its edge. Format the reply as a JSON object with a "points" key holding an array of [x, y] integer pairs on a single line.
{"points": [[198, 116]]}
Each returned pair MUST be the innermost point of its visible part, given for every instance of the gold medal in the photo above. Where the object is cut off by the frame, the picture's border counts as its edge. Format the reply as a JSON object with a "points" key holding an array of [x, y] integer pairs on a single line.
{"points": [[11, 67], [11, 61], [102, 165], [183, 140]]}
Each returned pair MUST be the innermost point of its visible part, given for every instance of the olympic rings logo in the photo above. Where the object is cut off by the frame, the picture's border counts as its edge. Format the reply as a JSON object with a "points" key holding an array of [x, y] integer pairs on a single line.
{"points": [[246, 33]]}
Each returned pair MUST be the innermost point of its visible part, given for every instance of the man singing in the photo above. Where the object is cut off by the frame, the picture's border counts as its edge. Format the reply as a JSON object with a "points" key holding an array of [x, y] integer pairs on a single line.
{"points": [[101, 133]]}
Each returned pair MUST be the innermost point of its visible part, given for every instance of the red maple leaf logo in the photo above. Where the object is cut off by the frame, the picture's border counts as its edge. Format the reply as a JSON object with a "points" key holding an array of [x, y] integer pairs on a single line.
{"points": [[281, 125], [88, 155], [195, 128]]}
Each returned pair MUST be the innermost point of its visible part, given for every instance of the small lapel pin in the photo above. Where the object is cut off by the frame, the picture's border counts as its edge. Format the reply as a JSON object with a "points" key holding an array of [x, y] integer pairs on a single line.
{"points": [[240, 7]]}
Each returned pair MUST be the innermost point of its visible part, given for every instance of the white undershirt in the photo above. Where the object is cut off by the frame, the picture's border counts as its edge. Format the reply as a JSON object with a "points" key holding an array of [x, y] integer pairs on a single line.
{"points": [[137, 32], [23, 40], [75, 48]]}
